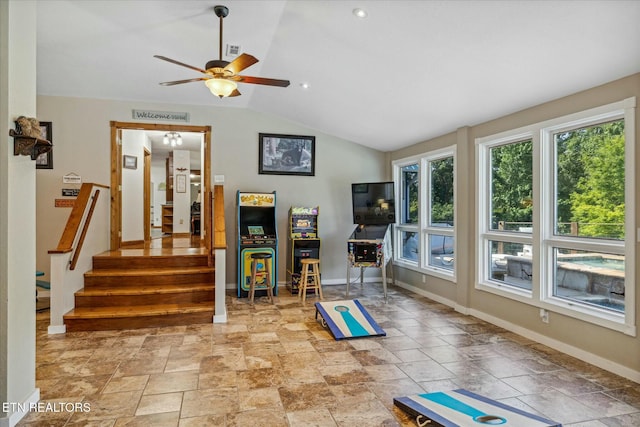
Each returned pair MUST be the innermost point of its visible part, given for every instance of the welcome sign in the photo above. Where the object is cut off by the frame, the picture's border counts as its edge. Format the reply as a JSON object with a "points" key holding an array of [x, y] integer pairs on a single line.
{"points": [[167, 116]]}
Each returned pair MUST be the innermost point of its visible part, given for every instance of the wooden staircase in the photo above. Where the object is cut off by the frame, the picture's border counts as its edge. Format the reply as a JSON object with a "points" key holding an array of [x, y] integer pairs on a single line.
{"points": [[141, 291]]}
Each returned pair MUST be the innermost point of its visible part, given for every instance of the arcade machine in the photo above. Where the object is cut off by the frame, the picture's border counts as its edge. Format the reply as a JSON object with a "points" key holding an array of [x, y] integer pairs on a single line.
{"points": [[256, 233], [303, 242], [370, 244]]}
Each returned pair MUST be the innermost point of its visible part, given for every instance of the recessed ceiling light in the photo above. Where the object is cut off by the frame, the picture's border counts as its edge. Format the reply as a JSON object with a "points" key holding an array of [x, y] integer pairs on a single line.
{"points": [[360, 13], [304, 85]]}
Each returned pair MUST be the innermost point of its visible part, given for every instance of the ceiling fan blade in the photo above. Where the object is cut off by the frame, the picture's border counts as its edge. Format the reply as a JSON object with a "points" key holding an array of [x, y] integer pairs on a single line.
{"points": [[235, 92], [240, 63], [260, 81], [179, 82], [173, 61]]}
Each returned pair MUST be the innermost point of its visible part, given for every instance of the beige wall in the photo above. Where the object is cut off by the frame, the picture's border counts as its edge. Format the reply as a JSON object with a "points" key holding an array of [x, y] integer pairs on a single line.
{"points": [[81, 136], [609, 349]]}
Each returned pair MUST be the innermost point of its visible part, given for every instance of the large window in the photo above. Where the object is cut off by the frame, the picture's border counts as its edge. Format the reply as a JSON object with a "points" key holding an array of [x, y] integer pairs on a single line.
{"points": [[425, 234], [555, 209]]}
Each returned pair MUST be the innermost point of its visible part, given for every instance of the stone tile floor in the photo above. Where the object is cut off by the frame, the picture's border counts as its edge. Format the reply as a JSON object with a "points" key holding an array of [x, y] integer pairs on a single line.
{"points": [[277, 366]]}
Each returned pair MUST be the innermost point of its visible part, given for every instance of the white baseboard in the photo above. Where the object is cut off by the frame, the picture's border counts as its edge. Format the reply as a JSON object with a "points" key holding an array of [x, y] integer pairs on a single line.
{"points": [[579, 353], [13, 419], [220, 318], [57, 329]]}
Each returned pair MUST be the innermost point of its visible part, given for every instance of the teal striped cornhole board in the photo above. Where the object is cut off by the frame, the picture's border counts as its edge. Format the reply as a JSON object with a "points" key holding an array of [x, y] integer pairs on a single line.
{"points": [[462, 408], [348, 319]]}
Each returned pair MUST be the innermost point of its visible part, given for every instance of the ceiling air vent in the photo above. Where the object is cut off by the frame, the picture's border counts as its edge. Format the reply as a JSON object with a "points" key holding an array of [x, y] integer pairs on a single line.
{"points": [[233, 49]]}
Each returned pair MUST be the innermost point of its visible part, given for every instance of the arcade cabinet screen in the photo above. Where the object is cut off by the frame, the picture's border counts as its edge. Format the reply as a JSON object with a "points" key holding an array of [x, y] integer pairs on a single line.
{"points": [[255, 229], [254, 219], [373, 203], [303, 224]]}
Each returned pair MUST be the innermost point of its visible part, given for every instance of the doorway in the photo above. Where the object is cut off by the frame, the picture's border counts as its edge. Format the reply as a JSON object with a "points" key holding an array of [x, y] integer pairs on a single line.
{"points": [[142, 214]]}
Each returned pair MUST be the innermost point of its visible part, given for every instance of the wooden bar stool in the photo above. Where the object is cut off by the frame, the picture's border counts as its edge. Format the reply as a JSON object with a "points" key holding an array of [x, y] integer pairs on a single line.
{"points": [[255, 260], [310, 279]]}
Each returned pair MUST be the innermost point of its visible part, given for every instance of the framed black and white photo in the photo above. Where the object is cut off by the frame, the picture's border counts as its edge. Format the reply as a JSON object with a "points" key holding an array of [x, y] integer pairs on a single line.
{"points": [[286, 154], [130, 162], [45, 160]]}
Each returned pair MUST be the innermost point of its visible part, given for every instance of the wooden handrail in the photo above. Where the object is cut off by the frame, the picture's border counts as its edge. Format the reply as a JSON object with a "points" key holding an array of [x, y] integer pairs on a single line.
{"points": [[75, 219], [83, 234], [219, 232]]}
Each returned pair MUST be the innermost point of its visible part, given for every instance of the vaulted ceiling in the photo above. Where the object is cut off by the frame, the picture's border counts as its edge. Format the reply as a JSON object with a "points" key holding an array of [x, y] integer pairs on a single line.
{"points": [[409, 71]]}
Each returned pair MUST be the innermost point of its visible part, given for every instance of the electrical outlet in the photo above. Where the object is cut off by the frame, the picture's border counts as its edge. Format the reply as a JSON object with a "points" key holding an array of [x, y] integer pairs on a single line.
{"points": [[424, 278], [544, 315], [181, 221]]}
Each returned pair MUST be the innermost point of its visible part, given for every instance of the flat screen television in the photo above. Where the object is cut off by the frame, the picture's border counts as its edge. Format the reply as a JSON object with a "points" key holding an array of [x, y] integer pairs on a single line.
{"points": [[373, 203]]}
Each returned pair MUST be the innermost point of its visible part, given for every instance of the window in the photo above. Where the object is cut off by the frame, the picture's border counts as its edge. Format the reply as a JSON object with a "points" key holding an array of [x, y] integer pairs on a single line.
{"points": [[511, 213], [440, 207], [408, 231], [426, 187], [554, 213], [409, 194]]}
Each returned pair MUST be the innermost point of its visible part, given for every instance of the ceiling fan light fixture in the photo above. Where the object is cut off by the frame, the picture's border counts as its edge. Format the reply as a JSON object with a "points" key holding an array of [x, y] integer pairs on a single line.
{"points": [[221, 87], [172, 138]]}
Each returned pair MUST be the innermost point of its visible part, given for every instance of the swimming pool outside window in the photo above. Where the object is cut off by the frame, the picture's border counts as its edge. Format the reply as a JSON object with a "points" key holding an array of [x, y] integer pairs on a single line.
{"points": [[555, 215]]}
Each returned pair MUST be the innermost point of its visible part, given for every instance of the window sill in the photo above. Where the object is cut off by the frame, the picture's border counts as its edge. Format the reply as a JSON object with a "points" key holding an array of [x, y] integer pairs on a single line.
{"points": [[436, 272]]}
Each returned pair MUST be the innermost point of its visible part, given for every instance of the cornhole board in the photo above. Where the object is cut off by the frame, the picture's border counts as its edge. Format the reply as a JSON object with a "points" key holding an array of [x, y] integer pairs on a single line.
{"points": [[347, 319], [462, 408]]}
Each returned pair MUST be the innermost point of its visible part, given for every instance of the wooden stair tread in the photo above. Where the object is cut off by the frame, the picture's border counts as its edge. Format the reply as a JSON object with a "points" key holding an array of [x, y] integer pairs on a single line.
{"points": [[153, 253], [139, 310], [150, 271], [144, 290]]}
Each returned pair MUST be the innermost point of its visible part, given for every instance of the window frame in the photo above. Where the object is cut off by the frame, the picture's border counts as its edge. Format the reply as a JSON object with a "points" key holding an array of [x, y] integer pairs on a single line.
{"points": [[486, 234], [543, 239], [422, 227]]}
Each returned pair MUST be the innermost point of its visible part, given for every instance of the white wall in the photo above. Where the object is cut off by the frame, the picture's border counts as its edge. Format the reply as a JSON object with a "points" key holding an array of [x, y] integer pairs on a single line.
{"points": [[181, 201], [133, 144], [17, 210], [158, 176], [234, 155]]}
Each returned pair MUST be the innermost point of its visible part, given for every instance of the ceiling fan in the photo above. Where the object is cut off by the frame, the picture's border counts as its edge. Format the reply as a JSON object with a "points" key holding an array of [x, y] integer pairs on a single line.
{"points": [[221, 76]]}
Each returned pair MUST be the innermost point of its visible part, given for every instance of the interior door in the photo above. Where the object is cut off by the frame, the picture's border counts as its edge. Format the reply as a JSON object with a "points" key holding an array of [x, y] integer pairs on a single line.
{"points": [[116, 174]]}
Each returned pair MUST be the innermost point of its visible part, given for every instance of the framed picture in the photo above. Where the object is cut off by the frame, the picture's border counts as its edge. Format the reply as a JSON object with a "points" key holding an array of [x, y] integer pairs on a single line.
{"points": [[45, 160], [129, 162], [181, 183], [286, 154]]}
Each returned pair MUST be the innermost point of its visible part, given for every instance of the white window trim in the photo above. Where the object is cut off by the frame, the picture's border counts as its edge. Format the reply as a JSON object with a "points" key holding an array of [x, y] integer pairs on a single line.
{"points": [[422, 228], [542, 237], [485, 233]]}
